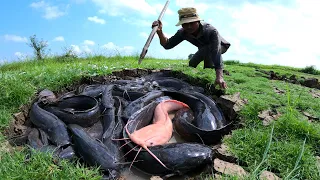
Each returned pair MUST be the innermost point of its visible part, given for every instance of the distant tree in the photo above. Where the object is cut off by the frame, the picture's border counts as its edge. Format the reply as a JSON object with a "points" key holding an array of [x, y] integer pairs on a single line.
{"points": [[39, 47]]}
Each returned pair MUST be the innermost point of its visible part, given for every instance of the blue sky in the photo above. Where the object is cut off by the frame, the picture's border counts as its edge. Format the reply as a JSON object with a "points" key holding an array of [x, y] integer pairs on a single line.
{"points": [[281, 32]]}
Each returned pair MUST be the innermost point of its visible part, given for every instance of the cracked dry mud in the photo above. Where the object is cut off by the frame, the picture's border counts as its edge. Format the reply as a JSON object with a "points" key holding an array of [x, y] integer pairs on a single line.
{"points": [[268, 116]]}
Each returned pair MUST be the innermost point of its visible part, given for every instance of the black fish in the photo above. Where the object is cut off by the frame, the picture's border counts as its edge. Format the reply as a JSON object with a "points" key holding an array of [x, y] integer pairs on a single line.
{"points": [[95, 131], [51, 124], [79, 109], [211, 128], [157, 75], [67, 95], [122, 82], [119, 104], [137, 85], [128, 95], [183, 125], [171, 83], [215, 118], [139, 103], [142, 117], [94, 90], [124, 102], [46, 96], [94, 152], [62, 153], [37, 138], [197, 106], [179, 158], [108, 109], [67, 153], [115, 132]]}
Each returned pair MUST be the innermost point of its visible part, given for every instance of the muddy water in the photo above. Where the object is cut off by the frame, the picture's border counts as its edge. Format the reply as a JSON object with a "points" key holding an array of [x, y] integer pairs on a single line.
{"points": [[136, 174]]}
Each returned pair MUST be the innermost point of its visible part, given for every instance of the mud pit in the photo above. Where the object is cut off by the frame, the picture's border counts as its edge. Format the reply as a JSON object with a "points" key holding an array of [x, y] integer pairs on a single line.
{"points": [[27, 130]]}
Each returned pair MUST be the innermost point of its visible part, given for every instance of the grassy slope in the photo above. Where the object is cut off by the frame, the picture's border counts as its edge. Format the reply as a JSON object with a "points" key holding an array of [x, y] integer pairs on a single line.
{"points": [[19, 82]]}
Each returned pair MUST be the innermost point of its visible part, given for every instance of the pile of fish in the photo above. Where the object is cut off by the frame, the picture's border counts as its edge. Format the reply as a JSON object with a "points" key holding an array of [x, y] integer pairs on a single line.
{"points": [[100, 124]]}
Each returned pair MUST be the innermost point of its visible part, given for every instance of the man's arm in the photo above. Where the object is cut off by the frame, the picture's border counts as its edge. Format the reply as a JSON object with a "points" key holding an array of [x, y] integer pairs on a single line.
{"points": [[215, 48], [217, 60], [219, 74], [219, 79], [162, 37], [165, 42], [172, 41]]}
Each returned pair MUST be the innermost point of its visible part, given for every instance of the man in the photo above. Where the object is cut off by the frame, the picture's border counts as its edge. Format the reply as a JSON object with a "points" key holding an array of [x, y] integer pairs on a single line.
{"points": [[201, 34]]}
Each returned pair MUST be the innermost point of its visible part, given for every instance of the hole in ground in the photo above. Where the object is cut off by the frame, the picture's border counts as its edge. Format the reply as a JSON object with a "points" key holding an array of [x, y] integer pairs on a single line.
{"points": [[21, 126]]}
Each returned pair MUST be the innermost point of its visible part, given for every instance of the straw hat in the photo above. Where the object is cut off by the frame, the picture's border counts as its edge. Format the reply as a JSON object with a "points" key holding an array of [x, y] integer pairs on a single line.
{"points": [[187, 15]]}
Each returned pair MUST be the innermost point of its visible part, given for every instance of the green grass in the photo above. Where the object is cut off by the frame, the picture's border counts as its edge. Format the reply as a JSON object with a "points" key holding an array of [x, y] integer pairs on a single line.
{"points": [[290, 153], [18, 165]]}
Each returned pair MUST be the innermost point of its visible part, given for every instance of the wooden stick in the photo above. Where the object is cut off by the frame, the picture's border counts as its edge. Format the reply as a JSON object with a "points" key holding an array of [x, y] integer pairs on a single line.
{"points": [[154, 29]]}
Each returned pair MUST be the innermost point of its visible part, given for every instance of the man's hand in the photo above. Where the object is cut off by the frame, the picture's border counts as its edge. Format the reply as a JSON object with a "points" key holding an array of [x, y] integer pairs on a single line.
{"points": [[219, 79], [163, 38], [157, 23]]}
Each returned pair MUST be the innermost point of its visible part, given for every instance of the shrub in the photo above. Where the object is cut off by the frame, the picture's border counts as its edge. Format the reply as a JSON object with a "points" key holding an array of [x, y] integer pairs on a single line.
{"points": [[310, 70], [231, 62]]}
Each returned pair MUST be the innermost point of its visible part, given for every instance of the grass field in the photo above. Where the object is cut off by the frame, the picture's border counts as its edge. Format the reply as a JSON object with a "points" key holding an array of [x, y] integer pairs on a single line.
{"points": [[288, 147]]}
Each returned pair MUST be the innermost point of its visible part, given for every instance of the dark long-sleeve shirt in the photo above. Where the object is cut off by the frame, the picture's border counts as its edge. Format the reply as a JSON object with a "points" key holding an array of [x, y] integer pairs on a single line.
{"points": [[208, 35]]}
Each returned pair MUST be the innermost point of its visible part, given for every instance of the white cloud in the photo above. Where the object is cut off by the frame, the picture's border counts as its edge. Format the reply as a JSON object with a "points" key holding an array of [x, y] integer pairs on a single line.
{"points": [[125, 50], [200, 6], [287, 29], [184, 3], [239, 47], [76, 49], [59, 38], [15, 38], [79, 50], [123, 7], [96, 20], [88, 43], [159, 8], [141, 22], [179, 52], [39, 4], [168, 35], [210, 21], [86, 49], [292, 58], [50, 12], [18, 54]]}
